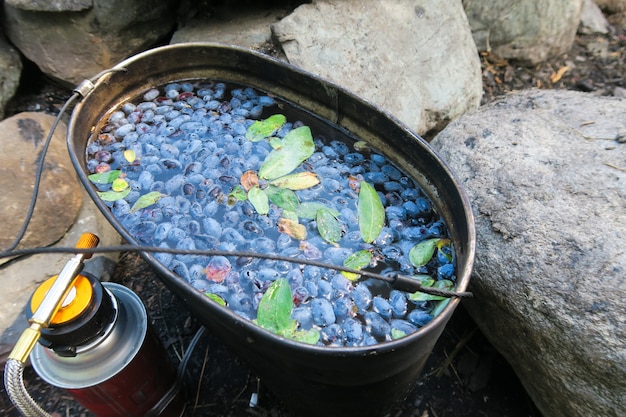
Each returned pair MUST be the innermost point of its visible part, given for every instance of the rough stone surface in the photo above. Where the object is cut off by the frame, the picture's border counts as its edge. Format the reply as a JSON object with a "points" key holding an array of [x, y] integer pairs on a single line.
{"points": [[72, 46], [22, 138], [404, 56], [249, 28], [545, 174], [524, 30], [10, 72], [51, 5], [612, 6], [592, 20]]}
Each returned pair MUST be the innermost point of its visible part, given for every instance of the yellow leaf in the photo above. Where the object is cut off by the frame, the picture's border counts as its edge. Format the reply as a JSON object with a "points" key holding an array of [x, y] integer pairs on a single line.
{"points": [[130, 155], [292, 228], [557, 75], [119, 184]]}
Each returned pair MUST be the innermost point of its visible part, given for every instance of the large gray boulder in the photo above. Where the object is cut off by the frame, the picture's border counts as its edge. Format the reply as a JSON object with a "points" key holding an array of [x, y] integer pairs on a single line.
{"points": [[414, 59], [60, 195], [10, 72], [73, 40], [249, 27], [545, 172], [529, 31]]}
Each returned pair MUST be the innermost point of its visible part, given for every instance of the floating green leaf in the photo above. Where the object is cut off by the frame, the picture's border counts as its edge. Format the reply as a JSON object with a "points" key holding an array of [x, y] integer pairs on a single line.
{"points": [[288, 214], [113, 195], [259, 200], [283, 198], [361, 146], [297, 147], [274, 313], [328, 226], [308, 210], [445, 248], [292, 228], [219, 300], [276, 143], [421, 253], [105, 177], [443, 284], [439, 307], [146, 200], [261, 129], [297, 181], [310, 336], [397, 334], [130, 155], [119, 184], [238, 193], [371, 213], [357, 260]]}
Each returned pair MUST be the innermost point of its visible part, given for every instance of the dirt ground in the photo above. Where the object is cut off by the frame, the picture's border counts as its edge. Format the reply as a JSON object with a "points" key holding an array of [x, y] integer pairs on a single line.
{"points": [[464, 377]]}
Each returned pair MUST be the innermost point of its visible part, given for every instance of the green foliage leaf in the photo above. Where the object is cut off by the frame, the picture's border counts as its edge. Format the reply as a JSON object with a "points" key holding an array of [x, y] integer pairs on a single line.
{"points": [[310, 336], [119, 184], [113, 195], [259, 200], [105, 177], [297, 181], [219, 300], [238, 193], [361, 146], [261, 129], [276, 143], [287, 214], [328, 226], [274, 312], [397, 334], [421, 253], [443, 284], [371, 213], [283, 198], [309, 209], [357, 260], [146, 200], [439, 307], [297, 147]]}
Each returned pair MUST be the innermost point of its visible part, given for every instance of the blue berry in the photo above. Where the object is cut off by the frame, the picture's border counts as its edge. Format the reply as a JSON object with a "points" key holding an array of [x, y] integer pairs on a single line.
{"points": [[322, 310]]}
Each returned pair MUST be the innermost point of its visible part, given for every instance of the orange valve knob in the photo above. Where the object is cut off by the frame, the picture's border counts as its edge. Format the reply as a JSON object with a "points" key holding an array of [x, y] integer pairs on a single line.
{"points": [[87, 241]]}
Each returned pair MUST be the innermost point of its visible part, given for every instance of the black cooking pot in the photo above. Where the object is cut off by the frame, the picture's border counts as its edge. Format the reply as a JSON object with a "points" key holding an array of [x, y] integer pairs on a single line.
{"points": [[311, 380]]}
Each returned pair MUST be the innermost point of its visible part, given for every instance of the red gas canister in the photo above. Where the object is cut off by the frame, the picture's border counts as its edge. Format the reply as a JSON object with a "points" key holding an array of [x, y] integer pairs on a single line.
{"points": [[100, 348]]}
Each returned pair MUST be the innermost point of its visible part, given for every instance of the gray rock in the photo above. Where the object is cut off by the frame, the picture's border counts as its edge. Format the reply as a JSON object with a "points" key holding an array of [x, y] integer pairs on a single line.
{"points": [[612, 6], [545, 173], [592, 20], [405, 56], [72, 46], [526, 30], [60, 195], [51, 5], [10, 72], [249, 28]]}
